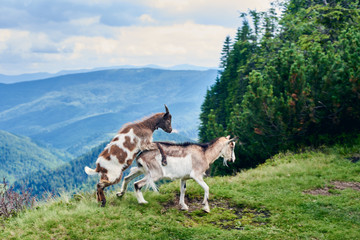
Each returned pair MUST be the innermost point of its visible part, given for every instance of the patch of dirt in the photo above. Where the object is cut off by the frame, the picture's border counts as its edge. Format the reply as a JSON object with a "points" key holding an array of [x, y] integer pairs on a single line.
{"points": [[355, 158], [334, 185], [223, 213]]}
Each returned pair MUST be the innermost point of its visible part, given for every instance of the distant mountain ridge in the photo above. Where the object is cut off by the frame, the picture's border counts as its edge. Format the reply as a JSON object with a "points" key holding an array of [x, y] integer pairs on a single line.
{"points": [[76, 112], [8, 79]]}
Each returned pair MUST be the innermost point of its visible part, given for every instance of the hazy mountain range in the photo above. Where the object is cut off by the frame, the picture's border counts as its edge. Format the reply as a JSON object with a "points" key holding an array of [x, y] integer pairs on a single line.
{"points": [[42, 75], [76, 112], [47, 123]]}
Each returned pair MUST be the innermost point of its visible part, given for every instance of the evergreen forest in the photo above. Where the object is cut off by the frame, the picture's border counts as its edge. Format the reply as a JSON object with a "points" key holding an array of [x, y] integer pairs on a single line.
{"points": [[289, 80]]}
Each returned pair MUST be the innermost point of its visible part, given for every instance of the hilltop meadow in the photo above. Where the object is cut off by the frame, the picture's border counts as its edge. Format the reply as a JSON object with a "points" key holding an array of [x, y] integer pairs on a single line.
{"points": [[309, 195]]}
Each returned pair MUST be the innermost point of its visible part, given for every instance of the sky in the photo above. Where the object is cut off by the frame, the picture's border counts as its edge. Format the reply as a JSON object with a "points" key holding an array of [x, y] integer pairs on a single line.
{"points": [[54, 35]]}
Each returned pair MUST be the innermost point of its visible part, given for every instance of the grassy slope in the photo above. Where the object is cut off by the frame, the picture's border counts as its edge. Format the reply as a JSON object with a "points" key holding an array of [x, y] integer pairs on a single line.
{"points": [[276, 187]]}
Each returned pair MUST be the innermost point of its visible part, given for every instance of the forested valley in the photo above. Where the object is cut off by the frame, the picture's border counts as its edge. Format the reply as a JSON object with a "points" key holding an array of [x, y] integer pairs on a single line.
{"points": [[288, 82]]}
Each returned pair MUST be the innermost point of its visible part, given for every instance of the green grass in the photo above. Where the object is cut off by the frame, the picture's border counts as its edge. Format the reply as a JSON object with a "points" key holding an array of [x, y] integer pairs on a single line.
{"points": [[263, 203]]}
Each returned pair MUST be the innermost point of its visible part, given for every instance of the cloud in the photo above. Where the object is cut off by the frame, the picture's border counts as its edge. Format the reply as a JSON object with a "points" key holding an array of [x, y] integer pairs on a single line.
{"points": [[146, 18], [42, 44], [11, 18], [118, 19], [169, 45], [12, 44], [42, 35], [208, 12]]}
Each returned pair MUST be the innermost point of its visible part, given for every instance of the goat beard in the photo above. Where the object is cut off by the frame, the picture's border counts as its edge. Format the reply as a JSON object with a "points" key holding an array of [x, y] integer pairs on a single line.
{"points": [[225, 162]]}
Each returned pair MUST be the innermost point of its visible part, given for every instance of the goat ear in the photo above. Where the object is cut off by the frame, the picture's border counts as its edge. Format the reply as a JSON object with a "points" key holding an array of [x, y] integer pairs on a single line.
{"points": [[227, 137]]}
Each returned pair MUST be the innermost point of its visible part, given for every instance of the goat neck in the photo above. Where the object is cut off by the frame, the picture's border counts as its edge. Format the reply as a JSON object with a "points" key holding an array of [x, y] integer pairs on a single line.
{"points": [[152, 122], [213, 151]]}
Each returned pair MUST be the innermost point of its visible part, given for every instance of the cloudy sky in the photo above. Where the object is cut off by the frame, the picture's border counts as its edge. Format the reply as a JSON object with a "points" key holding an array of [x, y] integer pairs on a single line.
{"points": [[55, 35]]}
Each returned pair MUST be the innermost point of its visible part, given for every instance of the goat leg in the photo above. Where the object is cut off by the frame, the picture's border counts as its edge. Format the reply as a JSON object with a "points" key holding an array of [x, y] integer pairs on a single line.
{"points": [[100, 195]]}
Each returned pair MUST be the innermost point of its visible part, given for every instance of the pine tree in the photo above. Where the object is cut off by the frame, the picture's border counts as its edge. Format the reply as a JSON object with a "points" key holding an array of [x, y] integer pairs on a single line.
{"points": [[225, 52]]}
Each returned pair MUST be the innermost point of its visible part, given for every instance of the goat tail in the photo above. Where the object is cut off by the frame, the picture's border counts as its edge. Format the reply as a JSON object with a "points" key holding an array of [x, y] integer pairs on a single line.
{"points": [[149, 180], [90, 171]]}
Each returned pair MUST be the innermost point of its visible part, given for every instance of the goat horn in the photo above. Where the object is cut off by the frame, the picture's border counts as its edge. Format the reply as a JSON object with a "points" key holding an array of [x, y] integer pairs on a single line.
{"points": [[234, 139], [166, 108]]}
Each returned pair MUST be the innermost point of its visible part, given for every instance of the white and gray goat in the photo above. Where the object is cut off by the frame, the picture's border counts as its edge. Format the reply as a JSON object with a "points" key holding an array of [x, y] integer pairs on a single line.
{"points": [[184, 161]]}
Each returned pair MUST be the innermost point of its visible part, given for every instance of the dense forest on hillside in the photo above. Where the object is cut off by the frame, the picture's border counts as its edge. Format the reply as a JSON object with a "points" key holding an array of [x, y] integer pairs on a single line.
{"points": [[288, 81], [20, 156], [69, 177]]}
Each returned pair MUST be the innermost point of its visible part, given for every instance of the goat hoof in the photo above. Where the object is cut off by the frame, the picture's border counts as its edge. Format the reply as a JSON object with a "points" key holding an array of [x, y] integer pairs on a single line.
{"points": [[120, 194], [185, 208], [144, 202], [206, 209]]}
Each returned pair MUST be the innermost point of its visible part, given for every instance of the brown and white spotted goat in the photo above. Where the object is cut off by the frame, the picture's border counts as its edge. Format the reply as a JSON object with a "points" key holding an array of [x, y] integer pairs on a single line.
{"points": [[184, 161], [121, 151]]}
